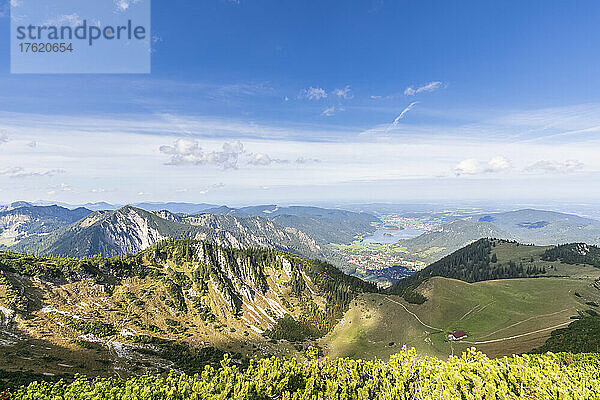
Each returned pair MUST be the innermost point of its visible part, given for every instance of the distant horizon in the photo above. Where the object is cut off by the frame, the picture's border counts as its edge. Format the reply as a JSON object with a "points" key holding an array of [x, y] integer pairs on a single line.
{"points": [[320, 102], [589, 210]]}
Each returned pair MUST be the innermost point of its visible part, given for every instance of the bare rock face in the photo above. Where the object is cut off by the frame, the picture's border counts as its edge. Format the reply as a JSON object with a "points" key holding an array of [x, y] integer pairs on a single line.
{"points": [[20, 220], [130, 229]]}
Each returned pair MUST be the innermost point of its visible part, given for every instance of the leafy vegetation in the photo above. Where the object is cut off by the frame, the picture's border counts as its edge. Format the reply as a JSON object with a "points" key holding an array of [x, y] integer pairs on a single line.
{"points": [[14, 379], [472, 263], [187, 359], [405, 376], [91, 327], [581, 336], [295, 331], [188, 282], [574, 253], [61, 269]]}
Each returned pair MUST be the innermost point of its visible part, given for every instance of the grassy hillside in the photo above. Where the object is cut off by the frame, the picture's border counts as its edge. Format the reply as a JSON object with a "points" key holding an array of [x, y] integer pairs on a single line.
{"points": [[176, 305], [500, 317], [536, 290], [488, 259]]}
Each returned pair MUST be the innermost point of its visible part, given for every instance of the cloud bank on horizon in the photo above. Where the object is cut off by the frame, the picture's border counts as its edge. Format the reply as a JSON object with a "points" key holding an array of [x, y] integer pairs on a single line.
{"points": [[303, 115]]}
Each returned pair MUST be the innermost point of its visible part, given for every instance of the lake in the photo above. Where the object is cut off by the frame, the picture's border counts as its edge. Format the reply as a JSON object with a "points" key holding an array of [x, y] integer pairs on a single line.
{"points": [[392, 235]]}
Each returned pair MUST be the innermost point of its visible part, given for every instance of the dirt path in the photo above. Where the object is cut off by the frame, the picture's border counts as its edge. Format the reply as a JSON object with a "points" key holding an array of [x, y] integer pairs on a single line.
{"points": [[518, 336], [525, 320], [414, 315], [469, 312]]}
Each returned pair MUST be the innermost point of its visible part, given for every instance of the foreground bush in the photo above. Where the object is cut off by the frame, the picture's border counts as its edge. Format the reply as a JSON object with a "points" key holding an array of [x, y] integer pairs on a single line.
{"points": [[405, 376]]}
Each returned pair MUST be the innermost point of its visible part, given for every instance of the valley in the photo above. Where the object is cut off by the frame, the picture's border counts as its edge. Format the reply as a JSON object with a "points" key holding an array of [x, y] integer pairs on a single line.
{"points": [[130, 291], [500, 316], [176, 305], [183, 303]]}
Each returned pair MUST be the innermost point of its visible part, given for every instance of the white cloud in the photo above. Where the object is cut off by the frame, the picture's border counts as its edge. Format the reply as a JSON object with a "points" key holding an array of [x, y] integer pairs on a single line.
{"points": [[403, 113], [63, 187], [314, 93], [260, 159], [472, 166], [65, 20], [555, 166], [345, 93], [3, 137], [20, 172], [329, 111], [4, 10], [123, 5], [202, 190], [156, 38], [231, 155], [33, 144], [429, 87], [188, 151], [307, 160]]}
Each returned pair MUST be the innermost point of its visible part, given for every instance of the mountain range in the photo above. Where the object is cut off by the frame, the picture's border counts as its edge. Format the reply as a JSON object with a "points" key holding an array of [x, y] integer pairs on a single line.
{"points": [[526, 226], [182, 303], [325, 225], [21, 220], [130, 229]]}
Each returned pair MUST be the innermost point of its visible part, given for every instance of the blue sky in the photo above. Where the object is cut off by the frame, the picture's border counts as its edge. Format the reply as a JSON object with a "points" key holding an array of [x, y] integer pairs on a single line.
{"points": [[302, 101]]}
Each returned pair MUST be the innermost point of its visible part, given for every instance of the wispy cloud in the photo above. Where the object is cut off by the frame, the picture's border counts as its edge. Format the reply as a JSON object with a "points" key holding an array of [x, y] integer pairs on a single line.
{"points": [[330, 111], [20, 172], [4, 9], [555, 166], [3, 137], [65, 20], [313, 93], [123, 5], [472, 166], [429, 87], [307, 160], [204, 190], [345, 93], [258, 159], [63, 187], [403, 113]]}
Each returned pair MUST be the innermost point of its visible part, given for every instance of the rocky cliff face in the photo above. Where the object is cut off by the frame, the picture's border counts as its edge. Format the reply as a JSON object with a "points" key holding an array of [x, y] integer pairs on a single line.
{"points": [[246, 232], [176, 289], [20, 220], [130, 229]]}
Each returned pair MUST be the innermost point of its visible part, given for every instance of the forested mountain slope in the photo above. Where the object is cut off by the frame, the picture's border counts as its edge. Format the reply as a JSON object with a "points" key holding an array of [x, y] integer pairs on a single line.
{"points": [[488, 259], [176, 292], [20, 220], [323, 224], [131, 229]]}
